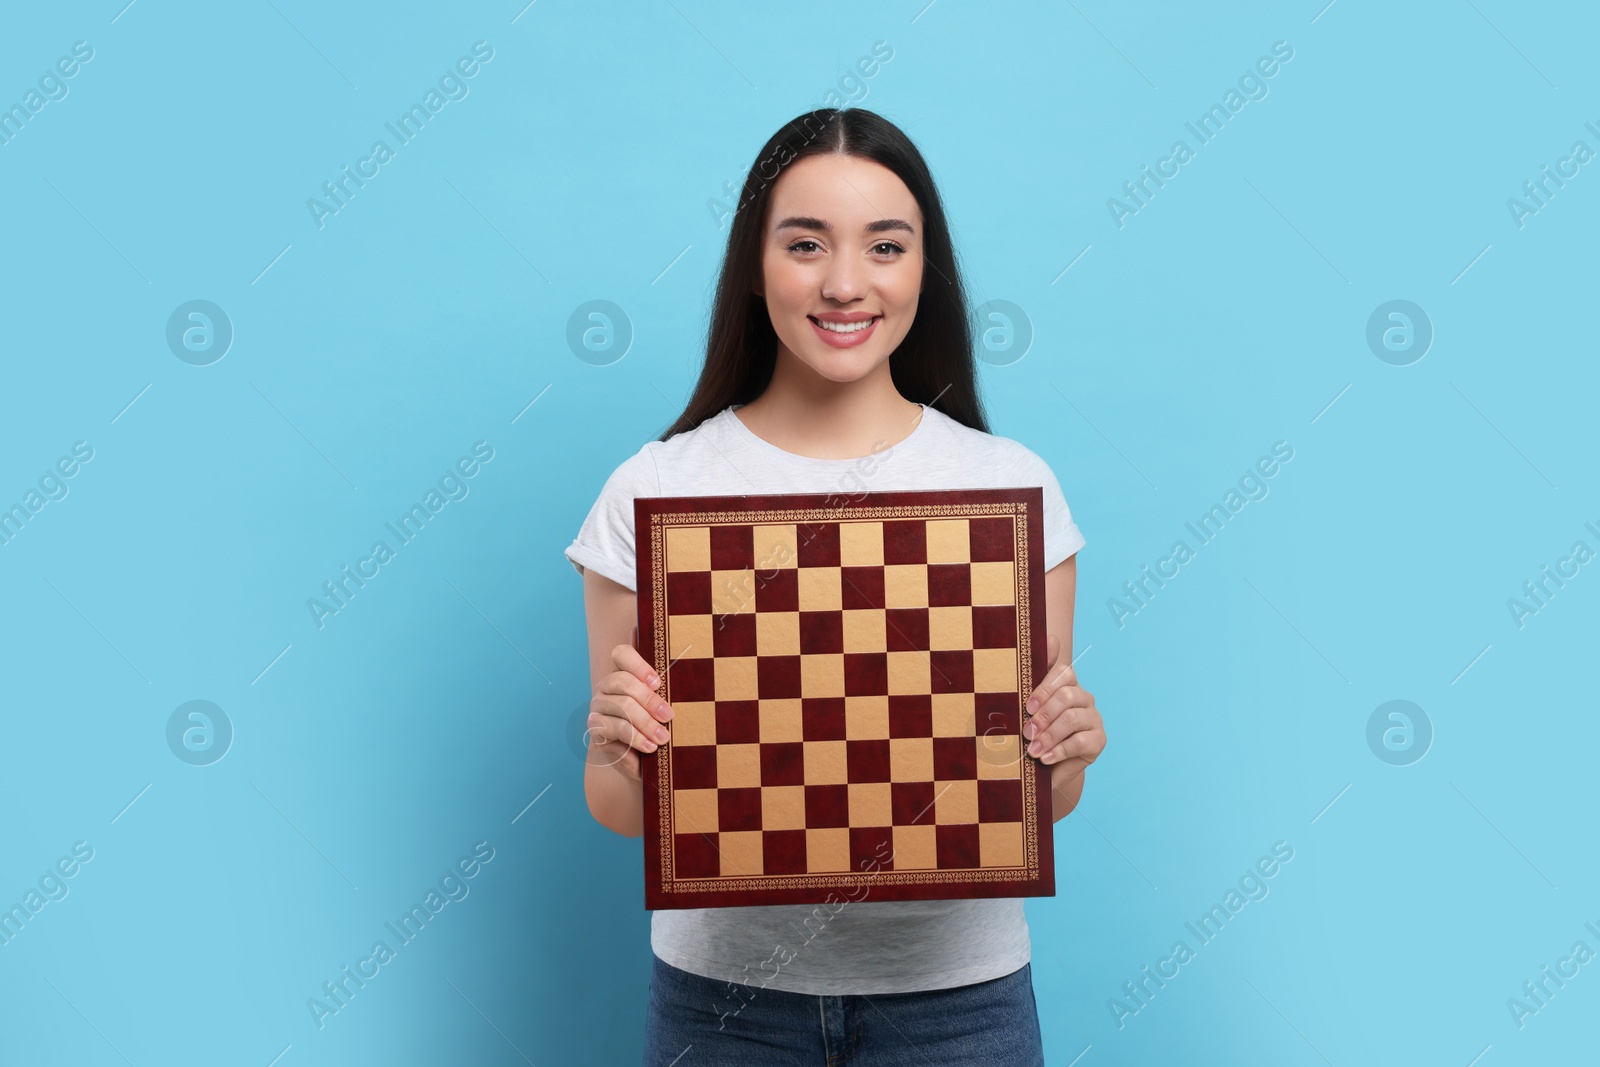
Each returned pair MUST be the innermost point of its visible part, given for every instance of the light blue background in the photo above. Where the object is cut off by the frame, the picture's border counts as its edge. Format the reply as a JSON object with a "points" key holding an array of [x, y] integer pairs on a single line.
{"points": [[426, 716]]}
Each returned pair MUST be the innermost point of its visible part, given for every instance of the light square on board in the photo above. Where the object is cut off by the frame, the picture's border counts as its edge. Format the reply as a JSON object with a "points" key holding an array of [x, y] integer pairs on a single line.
{"points": [[1000, 844], [828, 849], [736, 678], [909, 673], [905, 585], [826, 763], [689, 635], [947, 541], [950, 628], [741, 853], [911, 759], [778, 633], [865, 630], [822, 675], [861, 544], [783, 807], [780, 721], [869, 804], [999, 756], [819, 588], [866, 718], [694, 722], [694, 811], [992, 583], [738, 766], [994, 670], [954, 715], [955, 801], [775, 547], [688, 548], [914, 847]]}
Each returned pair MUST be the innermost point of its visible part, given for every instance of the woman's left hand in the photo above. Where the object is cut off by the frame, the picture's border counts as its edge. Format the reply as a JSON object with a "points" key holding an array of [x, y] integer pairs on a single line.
{"points": [[1065, 728]]}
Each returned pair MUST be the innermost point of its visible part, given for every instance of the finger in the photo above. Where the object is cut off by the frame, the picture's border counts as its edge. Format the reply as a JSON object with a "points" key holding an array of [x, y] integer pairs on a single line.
{"points": [[623, 685], [1084, 746], [1062, 674], [1087, 743], [1053, 680], [1036, 723], [1071, 709], [607, 751], [622, 719], [1051, 707], [627, 658], [1070, 695], [1063, 726]]}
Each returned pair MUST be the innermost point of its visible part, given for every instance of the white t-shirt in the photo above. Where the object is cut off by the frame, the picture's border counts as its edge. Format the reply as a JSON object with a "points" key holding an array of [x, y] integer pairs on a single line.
{"points": [[885, 946]]}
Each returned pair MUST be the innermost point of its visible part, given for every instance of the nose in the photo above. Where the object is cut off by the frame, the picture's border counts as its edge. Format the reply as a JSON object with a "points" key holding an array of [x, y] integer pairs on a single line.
{"points": [[844, 280]]}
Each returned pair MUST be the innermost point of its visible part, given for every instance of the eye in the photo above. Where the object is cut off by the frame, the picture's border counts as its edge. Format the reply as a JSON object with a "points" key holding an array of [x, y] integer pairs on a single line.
{"points": [[890, 245], [804, 241]]}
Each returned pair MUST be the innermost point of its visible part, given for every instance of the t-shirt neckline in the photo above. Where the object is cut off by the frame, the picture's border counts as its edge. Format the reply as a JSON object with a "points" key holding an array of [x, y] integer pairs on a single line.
{"points": [[750, 438]]}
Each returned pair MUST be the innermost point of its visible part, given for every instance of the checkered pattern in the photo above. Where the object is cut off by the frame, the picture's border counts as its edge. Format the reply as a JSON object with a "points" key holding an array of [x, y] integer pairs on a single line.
{"points": [[844, 691]]}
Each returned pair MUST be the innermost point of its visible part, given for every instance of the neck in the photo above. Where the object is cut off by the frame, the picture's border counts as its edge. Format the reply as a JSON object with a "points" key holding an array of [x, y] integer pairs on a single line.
{"points": [[809, 415]]}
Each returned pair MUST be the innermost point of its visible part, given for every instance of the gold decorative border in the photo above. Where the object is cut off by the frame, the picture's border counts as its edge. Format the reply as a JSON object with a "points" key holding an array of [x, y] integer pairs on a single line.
{"points": [[1017, 511]]}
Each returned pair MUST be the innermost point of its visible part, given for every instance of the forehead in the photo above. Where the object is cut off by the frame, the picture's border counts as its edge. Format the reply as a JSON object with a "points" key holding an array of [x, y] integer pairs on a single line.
{"points": [[845, 191]]}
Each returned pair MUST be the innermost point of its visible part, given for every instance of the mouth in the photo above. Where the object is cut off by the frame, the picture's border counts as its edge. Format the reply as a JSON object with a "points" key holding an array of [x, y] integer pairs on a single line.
{"points": [[846, 334]]}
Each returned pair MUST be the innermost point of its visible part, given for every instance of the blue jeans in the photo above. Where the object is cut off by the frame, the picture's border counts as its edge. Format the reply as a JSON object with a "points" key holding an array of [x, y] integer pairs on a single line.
{"points": [[693, 1021]]}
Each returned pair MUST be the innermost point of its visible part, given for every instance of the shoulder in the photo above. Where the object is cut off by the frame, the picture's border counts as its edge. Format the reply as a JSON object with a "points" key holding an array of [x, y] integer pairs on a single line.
{"points": [[990, 449], [641, 473], [635, 476]]}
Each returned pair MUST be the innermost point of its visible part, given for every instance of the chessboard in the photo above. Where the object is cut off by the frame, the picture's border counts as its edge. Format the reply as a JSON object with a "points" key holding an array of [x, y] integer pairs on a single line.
{"points": [[848, 677]]}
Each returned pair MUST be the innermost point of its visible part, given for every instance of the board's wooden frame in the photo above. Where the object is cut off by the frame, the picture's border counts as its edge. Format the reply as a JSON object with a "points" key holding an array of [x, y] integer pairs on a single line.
{"points": [[653, 515]]}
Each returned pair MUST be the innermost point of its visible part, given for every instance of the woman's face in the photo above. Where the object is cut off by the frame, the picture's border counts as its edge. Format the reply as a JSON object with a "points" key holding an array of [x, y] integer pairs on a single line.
{"points": [[841, 265]]}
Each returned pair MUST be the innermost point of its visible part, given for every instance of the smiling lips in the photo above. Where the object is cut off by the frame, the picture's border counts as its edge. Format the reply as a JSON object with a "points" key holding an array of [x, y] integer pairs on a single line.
{"points": [[844, 329]]}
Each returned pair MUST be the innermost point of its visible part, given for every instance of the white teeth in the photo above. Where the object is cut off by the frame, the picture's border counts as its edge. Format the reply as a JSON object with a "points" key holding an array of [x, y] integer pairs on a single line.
{"points": [[846, 327]]}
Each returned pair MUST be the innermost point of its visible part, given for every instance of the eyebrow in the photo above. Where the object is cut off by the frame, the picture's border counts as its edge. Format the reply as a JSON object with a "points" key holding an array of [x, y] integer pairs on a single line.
{"points": [[808, 222]]}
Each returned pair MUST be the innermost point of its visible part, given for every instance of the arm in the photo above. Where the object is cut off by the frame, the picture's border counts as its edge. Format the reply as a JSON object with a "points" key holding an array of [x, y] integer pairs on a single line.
{"points": [[1063, 705], [611, 780]]}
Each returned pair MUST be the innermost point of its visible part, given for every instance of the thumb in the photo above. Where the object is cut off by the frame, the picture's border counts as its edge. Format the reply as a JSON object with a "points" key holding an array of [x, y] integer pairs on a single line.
{"points": [[1060, 671]]}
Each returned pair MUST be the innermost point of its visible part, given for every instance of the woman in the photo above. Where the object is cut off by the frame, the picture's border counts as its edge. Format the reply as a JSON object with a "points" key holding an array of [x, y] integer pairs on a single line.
{"points": [[839, 361]]}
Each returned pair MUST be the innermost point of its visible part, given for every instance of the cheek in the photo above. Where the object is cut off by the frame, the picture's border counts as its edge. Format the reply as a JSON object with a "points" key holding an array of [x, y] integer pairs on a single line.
{"points": [[790, 291], [907, 301], [905, 287], [903, 296]]}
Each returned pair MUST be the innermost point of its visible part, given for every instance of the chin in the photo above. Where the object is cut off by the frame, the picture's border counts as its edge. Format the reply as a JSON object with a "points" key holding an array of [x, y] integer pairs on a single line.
{"points": [[841, 367]]}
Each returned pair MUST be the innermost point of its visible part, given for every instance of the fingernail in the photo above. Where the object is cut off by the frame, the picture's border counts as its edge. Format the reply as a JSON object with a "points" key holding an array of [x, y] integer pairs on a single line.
{"points": [[653, 681], [1033, 749], [1033, 703], [1029, 730], [661, 733]]}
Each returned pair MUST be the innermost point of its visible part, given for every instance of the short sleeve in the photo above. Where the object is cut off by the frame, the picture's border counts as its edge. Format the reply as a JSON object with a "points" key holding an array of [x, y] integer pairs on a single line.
{"points": [[1062, 538], [605, 540]]}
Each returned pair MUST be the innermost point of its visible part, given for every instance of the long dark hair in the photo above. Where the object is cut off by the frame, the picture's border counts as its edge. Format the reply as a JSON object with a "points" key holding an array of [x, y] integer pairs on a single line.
{"points": [[933, 364]]}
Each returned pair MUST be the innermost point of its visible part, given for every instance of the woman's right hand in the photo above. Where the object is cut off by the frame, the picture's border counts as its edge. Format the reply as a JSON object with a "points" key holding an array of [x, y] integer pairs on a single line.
{"points": [[626, 713]]}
